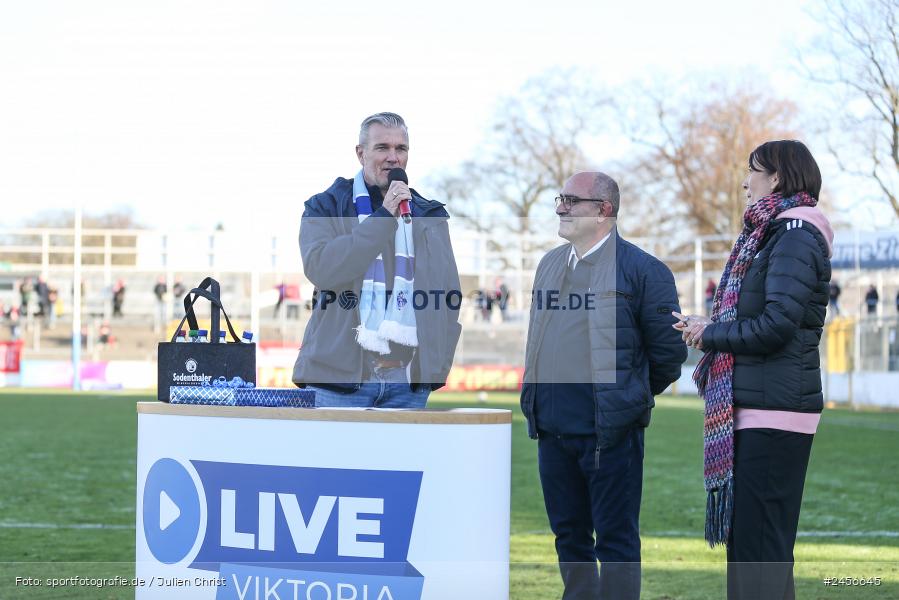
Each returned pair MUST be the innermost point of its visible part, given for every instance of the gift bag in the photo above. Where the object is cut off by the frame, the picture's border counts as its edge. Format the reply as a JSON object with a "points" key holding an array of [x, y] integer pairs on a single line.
{"points": [[193, 363]]}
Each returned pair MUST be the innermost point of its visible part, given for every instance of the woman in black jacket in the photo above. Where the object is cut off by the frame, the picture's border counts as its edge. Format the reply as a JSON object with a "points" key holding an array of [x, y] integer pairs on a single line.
{"points": [[760, 376]]}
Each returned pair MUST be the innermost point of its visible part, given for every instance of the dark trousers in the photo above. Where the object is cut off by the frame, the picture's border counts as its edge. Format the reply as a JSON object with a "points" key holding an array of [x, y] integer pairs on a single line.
{"points": [[769, 474], [586, 493]]}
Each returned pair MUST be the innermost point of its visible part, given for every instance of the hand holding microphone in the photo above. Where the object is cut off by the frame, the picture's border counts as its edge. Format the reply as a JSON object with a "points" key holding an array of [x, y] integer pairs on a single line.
{"points": [[399, 189]]}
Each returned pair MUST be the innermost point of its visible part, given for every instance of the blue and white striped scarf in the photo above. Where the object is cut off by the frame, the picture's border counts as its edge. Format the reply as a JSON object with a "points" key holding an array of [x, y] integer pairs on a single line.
{"points": [[381, 320]]}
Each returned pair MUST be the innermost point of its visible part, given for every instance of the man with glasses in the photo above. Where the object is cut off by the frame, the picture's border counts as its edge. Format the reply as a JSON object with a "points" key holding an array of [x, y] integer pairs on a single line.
{"points": [[600, 346]]}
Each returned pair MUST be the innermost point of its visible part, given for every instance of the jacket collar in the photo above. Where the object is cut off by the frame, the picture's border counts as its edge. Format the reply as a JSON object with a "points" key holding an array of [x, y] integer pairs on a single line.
{"points": [[426, 208], [600, 254]]}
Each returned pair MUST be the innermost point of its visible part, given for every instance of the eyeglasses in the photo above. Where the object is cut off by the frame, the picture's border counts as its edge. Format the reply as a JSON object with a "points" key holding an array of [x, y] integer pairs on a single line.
{"points": [[568, 201]]}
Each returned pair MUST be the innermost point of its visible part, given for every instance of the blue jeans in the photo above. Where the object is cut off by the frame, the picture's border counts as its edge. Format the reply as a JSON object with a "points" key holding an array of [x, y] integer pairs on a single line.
{"points": [[385, 388], [584, 498]]}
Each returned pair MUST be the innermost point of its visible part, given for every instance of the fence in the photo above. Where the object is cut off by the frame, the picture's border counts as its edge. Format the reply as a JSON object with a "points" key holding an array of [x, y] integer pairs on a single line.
{"points": [[253, 266]]}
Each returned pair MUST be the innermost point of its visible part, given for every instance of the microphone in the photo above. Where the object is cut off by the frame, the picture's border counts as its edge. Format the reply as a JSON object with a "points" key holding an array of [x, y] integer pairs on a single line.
{"points": [[398, 174]]}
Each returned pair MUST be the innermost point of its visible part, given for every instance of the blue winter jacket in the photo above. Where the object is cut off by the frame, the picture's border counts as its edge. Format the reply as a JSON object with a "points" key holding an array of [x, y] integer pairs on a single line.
{"points": [[635, 353]]}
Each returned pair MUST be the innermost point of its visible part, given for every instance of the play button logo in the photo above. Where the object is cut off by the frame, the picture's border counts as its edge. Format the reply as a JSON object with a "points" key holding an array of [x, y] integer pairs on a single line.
{"points": [[171, 511], [168, 511]]}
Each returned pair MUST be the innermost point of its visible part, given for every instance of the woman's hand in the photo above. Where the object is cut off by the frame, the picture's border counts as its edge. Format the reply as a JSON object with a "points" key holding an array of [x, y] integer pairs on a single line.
{"points": [[691, 328]]}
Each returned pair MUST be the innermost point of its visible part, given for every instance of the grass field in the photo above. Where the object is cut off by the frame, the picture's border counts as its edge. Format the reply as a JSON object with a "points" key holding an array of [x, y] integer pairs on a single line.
{"points": [[67, 488]]}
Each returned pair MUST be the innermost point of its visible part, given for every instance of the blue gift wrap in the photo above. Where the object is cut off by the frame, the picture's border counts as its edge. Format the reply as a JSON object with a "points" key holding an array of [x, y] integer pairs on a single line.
{"points": [[240, 393]]}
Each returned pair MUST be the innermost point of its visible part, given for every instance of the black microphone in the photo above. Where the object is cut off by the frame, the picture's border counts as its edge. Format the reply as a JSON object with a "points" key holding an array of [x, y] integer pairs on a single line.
{"points": [[398, 174]]}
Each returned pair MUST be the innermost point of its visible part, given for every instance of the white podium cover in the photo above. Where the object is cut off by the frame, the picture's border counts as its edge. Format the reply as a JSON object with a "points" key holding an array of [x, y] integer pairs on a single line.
{"points": [[322, 504]]}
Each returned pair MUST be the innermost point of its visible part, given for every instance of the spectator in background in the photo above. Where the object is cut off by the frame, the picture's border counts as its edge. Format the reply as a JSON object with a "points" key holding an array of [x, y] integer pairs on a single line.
{"points": [[178, 291], [104, 335], [118, 298], [897, 302], [710, 289], [871, 299], [26, 289], [13, 319], [486, 305], [479, 302], [289, 295], [282, 293], [43, 297], [293, 301], [52, 297], [159, 290], [835, 292], [501, 294], [45, 304]]}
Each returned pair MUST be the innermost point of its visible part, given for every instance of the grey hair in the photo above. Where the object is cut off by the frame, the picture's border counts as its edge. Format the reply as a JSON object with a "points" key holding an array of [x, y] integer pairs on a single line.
{"points": [[386, 119], [606, 188]]}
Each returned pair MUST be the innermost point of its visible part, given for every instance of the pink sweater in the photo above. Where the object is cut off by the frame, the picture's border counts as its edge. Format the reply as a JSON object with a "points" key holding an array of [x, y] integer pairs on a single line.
{"points": [[785, 420]]}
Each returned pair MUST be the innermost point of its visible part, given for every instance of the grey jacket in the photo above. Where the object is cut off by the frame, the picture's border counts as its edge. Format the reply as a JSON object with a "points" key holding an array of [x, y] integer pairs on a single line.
{"points": [[336, 251]]}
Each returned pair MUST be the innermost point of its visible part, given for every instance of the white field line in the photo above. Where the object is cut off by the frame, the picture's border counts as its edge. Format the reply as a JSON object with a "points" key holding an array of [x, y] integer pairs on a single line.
{"points": [[18, 525], [698, 533]]}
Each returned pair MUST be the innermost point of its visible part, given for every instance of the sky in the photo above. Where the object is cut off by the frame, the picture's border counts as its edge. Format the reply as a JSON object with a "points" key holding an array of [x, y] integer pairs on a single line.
{"points": [[198, 113]]}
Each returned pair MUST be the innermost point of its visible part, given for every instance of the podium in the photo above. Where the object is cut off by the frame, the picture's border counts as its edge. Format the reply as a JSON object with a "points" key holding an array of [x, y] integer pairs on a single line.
{"points": [[251, 503]]}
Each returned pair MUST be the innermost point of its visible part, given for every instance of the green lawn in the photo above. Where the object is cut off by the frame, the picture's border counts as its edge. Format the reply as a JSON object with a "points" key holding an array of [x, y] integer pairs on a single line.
{"points": [[69, 465]]}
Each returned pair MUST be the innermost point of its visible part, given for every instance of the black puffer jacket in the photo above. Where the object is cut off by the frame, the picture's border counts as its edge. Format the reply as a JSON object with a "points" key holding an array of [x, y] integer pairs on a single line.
{"points": [[780, 315]]}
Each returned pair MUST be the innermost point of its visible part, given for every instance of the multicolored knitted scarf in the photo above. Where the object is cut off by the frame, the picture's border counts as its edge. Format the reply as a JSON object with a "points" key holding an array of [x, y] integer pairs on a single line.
{"points": [[714, 373]]}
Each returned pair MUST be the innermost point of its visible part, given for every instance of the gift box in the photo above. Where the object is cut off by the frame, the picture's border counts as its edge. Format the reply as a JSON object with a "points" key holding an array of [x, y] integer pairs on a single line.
{"points": [[241, 396]]}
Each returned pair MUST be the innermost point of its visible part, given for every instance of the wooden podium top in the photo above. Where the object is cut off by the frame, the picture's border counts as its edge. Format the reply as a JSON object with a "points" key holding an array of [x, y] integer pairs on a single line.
{"points": [[456, 416]]}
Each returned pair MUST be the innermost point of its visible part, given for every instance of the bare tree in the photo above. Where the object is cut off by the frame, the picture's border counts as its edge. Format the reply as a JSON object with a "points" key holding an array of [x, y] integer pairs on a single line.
{"points": [[680, 157], [857, 58], [534, 143], [117, 218], [690, 157]]}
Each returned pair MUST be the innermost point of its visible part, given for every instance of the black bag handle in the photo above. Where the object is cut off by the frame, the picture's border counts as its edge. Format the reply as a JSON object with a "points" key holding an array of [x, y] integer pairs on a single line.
{"points": [[215, 290], [213, 295]]}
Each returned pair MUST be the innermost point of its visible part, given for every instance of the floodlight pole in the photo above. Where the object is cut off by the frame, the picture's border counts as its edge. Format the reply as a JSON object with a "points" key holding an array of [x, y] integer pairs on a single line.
{"points": [[76, 303]]}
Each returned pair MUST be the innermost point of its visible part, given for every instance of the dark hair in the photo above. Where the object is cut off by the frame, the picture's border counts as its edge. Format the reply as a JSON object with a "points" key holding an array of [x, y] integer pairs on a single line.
{"points": [[795, 166]]}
